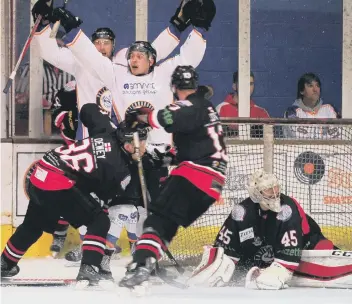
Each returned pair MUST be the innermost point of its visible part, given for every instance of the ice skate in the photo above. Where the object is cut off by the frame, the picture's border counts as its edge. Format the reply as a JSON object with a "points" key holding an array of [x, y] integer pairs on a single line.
{"points": [[74, 257], [91, 276], [138, 274], [57, 245], [104, 269], [8, 271]]}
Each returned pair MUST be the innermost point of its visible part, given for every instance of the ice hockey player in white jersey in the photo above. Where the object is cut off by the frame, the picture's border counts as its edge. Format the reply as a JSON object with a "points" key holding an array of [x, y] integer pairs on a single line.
{"points": [[270, 237], [142, 83], [89, 88]]}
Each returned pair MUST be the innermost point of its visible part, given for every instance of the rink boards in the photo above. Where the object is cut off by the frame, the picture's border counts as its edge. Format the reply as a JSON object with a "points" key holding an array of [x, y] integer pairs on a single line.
{"points": [[325, 194]]}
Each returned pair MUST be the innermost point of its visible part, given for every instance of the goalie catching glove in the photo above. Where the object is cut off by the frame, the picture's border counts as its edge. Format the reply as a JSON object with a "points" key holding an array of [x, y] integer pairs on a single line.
{"points": [[215, 270], [274, 277]]}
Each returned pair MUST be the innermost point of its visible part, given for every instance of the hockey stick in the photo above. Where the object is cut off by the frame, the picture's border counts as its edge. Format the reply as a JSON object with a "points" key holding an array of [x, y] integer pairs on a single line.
{"points": [[144, 194], [56, 26], [137, 146], [23, 53]]}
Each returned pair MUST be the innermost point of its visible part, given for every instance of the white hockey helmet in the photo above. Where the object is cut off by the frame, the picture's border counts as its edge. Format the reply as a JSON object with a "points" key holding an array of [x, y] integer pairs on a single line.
{"points": [[264, 189]]}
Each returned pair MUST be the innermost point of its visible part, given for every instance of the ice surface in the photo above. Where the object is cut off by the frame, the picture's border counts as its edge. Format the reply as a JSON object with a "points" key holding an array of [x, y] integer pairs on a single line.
{"points": [[50, 268]]}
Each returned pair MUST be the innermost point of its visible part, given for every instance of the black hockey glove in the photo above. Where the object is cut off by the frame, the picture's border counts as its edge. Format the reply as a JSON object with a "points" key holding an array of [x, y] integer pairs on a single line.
{"points": [[43, 8], [201, 12], [165, 159], [67, 19], [139, 115], [181, 18]]}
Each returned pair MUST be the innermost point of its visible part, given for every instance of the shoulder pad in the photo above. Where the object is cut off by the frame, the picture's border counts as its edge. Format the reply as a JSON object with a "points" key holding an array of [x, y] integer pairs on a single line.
{"points": [[238, 213]]}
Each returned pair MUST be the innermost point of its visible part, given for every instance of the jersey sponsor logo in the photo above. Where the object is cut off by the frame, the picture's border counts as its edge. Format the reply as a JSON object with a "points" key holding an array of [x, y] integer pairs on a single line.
{"points": [[296, 252], [246, 234], [125, 182], [238, 212], [265, 254], [134, 88], [285, 213], [257, 241], [104, 99], [342, 253], [122, 217]]}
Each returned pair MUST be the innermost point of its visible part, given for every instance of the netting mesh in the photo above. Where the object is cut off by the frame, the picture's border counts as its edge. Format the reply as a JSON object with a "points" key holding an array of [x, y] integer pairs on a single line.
{"points": [[317, 171]]}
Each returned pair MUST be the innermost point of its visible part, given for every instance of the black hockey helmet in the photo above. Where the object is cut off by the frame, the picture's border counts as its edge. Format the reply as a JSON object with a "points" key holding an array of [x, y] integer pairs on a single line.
{"points": [[125, 131], [184, 77], [104, 33], [144, 47]]}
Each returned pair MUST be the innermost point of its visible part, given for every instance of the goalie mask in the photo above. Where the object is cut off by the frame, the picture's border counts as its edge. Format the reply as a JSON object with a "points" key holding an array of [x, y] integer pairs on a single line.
{"points": [[264, 189]]}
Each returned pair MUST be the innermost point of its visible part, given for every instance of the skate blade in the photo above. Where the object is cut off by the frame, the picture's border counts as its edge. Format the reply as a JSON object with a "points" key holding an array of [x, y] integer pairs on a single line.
{"points": [[141, 290], [55, 254], [72, 264], [102, 285]]}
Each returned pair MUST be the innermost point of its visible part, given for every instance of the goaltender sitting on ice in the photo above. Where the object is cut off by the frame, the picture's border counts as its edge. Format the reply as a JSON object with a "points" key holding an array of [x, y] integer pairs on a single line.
{"points": [[269, 237]]}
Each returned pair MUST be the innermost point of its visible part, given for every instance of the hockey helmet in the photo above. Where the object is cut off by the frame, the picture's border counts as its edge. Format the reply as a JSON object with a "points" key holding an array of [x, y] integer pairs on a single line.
{"points": [[184, 77], [264, 188], [104, 33], [144, 47]]}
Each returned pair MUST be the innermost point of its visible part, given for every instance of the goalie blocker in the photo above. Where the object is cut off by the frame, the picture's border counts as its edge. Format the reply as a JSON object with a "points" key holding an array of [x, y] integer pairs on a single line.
{"points": [[266, 234]]}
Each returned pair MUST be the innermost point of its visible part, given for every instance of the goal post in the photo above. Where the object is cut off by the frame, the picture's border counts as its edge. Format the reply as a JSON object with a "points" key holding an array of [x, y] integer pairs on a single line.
{"points": [[313, 162]]}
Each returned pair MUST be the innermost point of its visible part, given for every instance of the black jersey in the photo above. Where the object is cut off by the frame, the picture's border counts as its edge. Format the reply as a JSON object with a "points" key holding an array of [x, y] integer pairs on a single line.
{"points": [[251, 234], [199, 142], [196, 128], [97, 164]]}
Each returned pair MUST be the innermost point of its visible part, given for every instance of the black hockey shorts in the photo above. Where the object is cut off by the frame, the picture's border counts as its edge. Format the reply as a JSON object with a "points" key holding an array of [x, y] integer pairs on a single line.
{"points": [[46, 207], [181, 202]]}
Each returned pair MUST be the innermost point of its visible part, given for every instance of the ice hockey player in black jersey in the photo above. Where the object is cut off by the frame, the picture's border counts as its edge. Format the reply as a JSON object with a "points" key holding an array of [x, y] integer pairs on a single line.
{"points": [[194, 185], [265, 235], [62, 184]]}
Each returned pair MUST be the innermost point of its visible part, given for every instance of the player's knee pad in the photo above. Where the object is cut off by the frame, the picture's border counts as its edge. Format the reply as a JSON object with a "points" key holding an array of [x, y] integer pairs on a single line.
{"points": [[163, 226], [216, 269]]}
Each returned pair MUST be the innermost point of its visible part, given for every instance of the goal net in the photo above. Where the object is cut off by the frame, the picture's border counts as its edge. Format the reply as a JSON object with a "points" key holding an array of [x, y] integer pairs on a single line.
{"points": [[313, 164]]}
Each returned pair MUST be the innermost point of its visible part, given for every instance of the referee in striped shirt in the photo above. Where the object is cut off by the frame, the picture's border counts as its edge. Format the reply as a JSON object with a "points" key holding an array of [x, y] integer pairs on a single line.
{"points": [[53, 80]]}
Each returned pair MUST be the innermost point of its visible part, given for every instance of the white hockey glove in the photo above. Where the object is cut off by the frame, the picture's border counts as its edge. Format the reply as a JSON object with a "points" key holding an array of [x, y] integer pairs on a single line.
{"points": [[274, 277], [215, 270]]}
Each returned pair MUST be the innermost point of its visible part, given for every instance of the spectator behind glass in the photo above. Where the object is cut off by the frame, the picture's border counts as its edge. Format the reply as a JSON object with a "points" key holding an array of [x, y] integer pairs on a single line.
{"points": [[309, 105], [229, 108]]}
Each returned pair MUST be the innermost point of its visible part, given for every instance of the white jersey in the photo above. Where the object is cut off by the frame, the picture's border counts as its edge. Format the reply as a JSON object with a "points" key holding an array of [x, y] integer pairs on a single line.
{"points": [[152, 90], [90, 88], [299, 110]]}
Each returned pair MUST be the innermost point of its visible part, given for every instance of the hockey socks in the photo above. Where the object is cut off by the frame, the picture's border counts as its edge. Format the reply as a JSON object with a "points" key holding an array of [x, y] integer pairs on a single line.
{"points": [[148, 245]]}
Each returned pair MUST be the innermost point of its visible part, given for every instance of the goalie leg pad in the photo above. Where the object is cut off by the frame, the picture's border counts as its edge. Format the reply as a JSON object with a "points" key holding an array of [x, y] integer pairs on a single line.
{"points": [[216, 269]]}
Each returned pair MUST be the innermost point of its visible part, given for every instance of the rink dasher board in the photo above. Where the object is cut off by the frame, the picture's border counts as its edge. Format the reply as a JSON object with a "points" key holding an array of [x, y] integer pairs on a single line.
{"points": [[41, 282]]}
